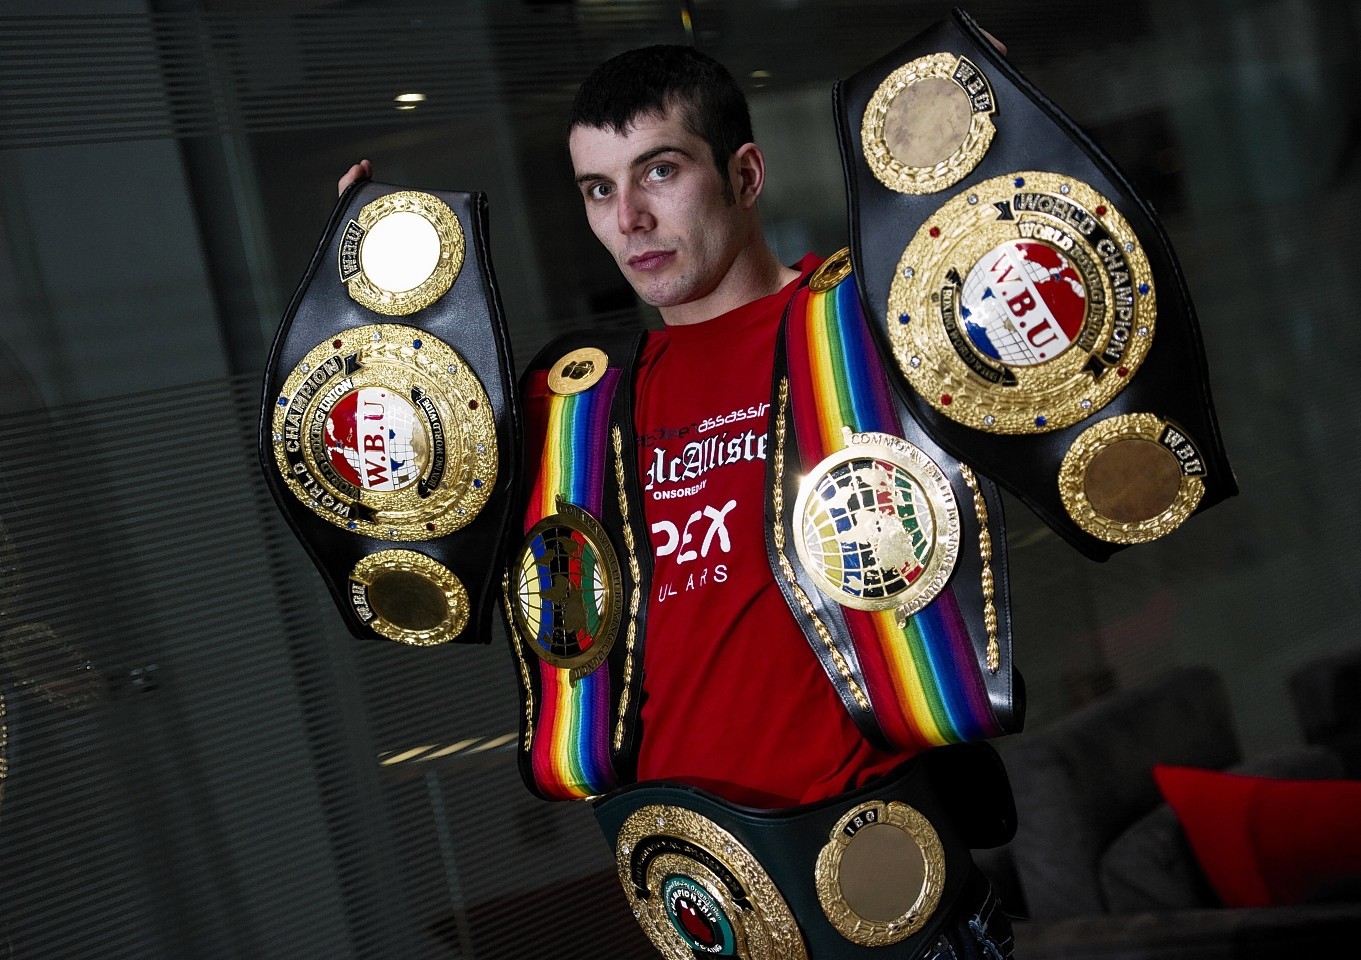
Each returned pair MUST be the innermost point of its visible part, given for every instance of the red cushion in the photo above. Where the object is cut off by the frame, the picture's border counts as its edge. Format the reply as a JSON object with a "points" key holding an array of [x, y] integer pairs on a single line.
{"points": [[1263, 841]]}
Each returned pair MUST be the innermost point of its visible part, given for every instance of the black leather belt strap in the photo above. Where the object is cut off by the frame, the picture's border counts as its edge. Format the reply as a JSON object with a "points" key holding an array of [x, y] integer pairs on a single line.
{"points": [[390, 432], [1093, 407]]}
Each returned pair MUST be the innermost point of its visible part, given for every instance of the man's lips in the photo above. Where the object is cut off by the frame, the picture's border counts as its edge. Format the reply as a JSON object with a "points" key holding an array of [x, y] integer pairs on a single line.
{"points": [[650, 259]]}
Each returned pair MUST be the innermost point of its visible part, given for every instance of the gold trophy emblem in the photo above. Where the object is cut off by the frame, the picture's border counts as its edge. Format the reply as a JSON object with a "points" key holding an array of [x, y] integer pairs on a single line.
{"points": [[1023, 305], [697, 890], [385, 431]]}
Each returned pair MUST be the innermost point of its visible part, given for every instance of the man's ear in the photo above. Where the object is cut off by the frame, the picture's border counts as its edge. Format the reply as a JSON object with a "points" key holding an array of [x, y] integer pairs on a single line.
{"points": [[747, 169]]}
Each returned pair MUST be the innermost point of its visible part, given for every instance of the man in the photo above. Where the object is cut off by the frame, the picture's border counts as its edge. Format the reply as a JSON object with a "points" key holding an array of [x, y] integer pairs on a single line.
{"points": [[735, 702]]}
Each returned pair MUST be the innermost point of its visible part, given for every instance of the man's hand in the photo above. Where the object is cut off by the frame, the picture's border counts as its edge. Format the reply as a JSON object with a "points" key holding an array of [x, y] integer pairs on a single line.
{"points": [[363, 170]]}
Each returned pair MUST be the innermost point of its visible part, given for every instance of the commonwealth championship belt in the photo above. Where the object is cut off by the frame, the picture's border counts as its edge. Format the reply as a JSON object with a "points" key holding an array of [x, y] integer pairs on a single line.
{"points": [[1029, 297], [390, 432], [890, 551], [873, 873]]}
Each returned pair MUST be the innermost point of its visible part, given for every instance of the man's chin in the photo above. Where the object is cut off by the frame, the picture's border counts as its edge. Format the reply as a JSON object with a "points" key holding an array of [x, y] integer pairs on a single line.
{"points": [[661, 297]]}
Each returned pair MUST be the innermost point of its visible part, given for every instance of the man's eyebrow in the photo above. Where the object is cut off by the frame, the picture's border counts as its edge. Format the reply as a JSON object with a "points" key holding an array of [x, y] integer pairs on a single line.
{"points": [[643, 158], [638, 161]]}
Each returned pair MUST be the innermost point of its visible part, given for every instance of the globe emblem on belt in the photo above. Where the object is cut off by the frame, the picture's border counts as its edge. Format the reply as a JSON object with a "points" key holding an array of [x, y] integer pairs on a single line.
{"points": [[386, 432], [376, 440], [1023, 303], [567, 590], [877, 525]]}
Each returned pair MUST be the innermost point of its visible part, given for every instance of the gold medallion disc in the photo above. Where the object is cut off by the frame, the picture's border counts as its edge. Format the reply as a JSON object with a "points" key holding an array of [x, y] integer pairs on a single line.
{"points": [[881, 875], [834, 269], [1023, 305], [402, 253], [928, 124], [877, 525], [386, 432], [567, 591], [578, 371], [408, 597], [1131, 478], [697, 890]]}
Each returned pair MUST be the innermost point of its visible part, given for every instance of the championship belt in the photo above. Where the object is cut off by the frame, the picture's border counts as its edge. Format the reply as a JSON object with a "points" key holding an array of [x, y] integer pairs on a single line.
{"points": [[390, 432], [1029, 297], [574, 589], [874, 873], [890, 552]]}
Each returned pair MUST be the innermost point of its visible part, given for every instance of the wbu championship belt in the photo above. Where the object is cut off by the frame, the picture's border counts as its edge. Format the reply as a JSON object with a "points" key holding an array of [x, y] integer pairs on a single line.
{"points": [[390, 432], [1028, 296]]}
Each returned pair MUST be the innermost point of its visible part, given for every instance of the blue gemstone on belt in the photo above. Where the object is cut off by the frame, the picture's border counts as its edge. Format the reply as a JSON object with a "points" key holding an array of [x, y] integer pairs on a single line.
{"points": [[1019, 181], [1041, 421]]}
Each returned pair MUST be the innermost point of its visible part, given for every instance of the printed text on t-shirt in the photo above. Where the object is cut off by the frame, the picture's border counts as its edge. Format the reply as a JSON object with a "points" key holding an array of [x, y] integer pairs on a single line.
{"points": [[698, 457]]}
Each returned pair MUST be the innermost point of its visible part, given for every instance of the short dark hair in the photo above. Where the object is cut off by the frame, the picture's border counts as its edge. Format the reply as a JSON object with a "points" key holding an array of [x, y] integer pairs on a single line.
{"points": [[650, 80]]}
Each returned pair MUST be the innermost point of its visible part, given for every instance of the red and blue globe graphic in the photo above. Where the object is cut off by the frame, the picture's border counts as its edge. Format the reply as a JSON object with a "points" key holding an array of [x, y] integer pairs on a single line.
{"points": [[1023, 303], [563, 592], [376, 440]]}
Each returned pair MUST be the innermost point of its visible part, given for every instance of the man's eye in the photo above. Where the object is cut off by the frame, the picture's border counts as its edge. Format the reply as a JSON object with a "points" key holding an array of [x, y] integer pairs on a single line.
{"points": [[598, 191], [661, 171]]}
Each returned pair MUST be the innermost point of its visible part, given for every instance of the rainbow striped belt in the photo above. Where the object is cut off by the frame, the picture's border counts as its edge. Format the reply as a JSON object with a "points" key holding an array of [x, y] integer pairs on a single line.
{"points": [[564, 592], [923, 674]]}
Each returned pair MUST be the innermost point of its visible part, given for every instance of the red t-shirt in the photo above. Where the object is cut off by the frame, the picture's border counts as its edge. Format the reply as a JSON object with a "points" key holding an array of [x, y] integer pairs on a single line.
{"points": [[734, 701]]}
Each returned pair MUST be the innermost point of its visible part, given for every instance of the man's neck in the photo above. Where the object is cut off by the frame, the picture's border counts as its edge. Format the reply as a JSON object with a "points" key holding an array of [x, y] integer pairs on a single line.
{"points": [[756, 273]]}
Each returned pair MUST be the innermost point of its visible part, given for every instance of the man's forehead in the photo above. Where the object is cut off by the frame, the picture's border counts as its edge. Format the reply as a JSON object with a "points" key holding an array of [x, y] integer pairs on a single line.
{"points": [[643, 133]]}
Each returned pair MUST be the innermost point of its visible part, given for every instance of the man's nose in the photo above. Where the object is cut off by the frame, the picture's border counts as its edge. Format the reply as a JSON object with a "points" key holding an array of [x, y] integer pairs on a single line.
{"points": [[633, 212]]}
